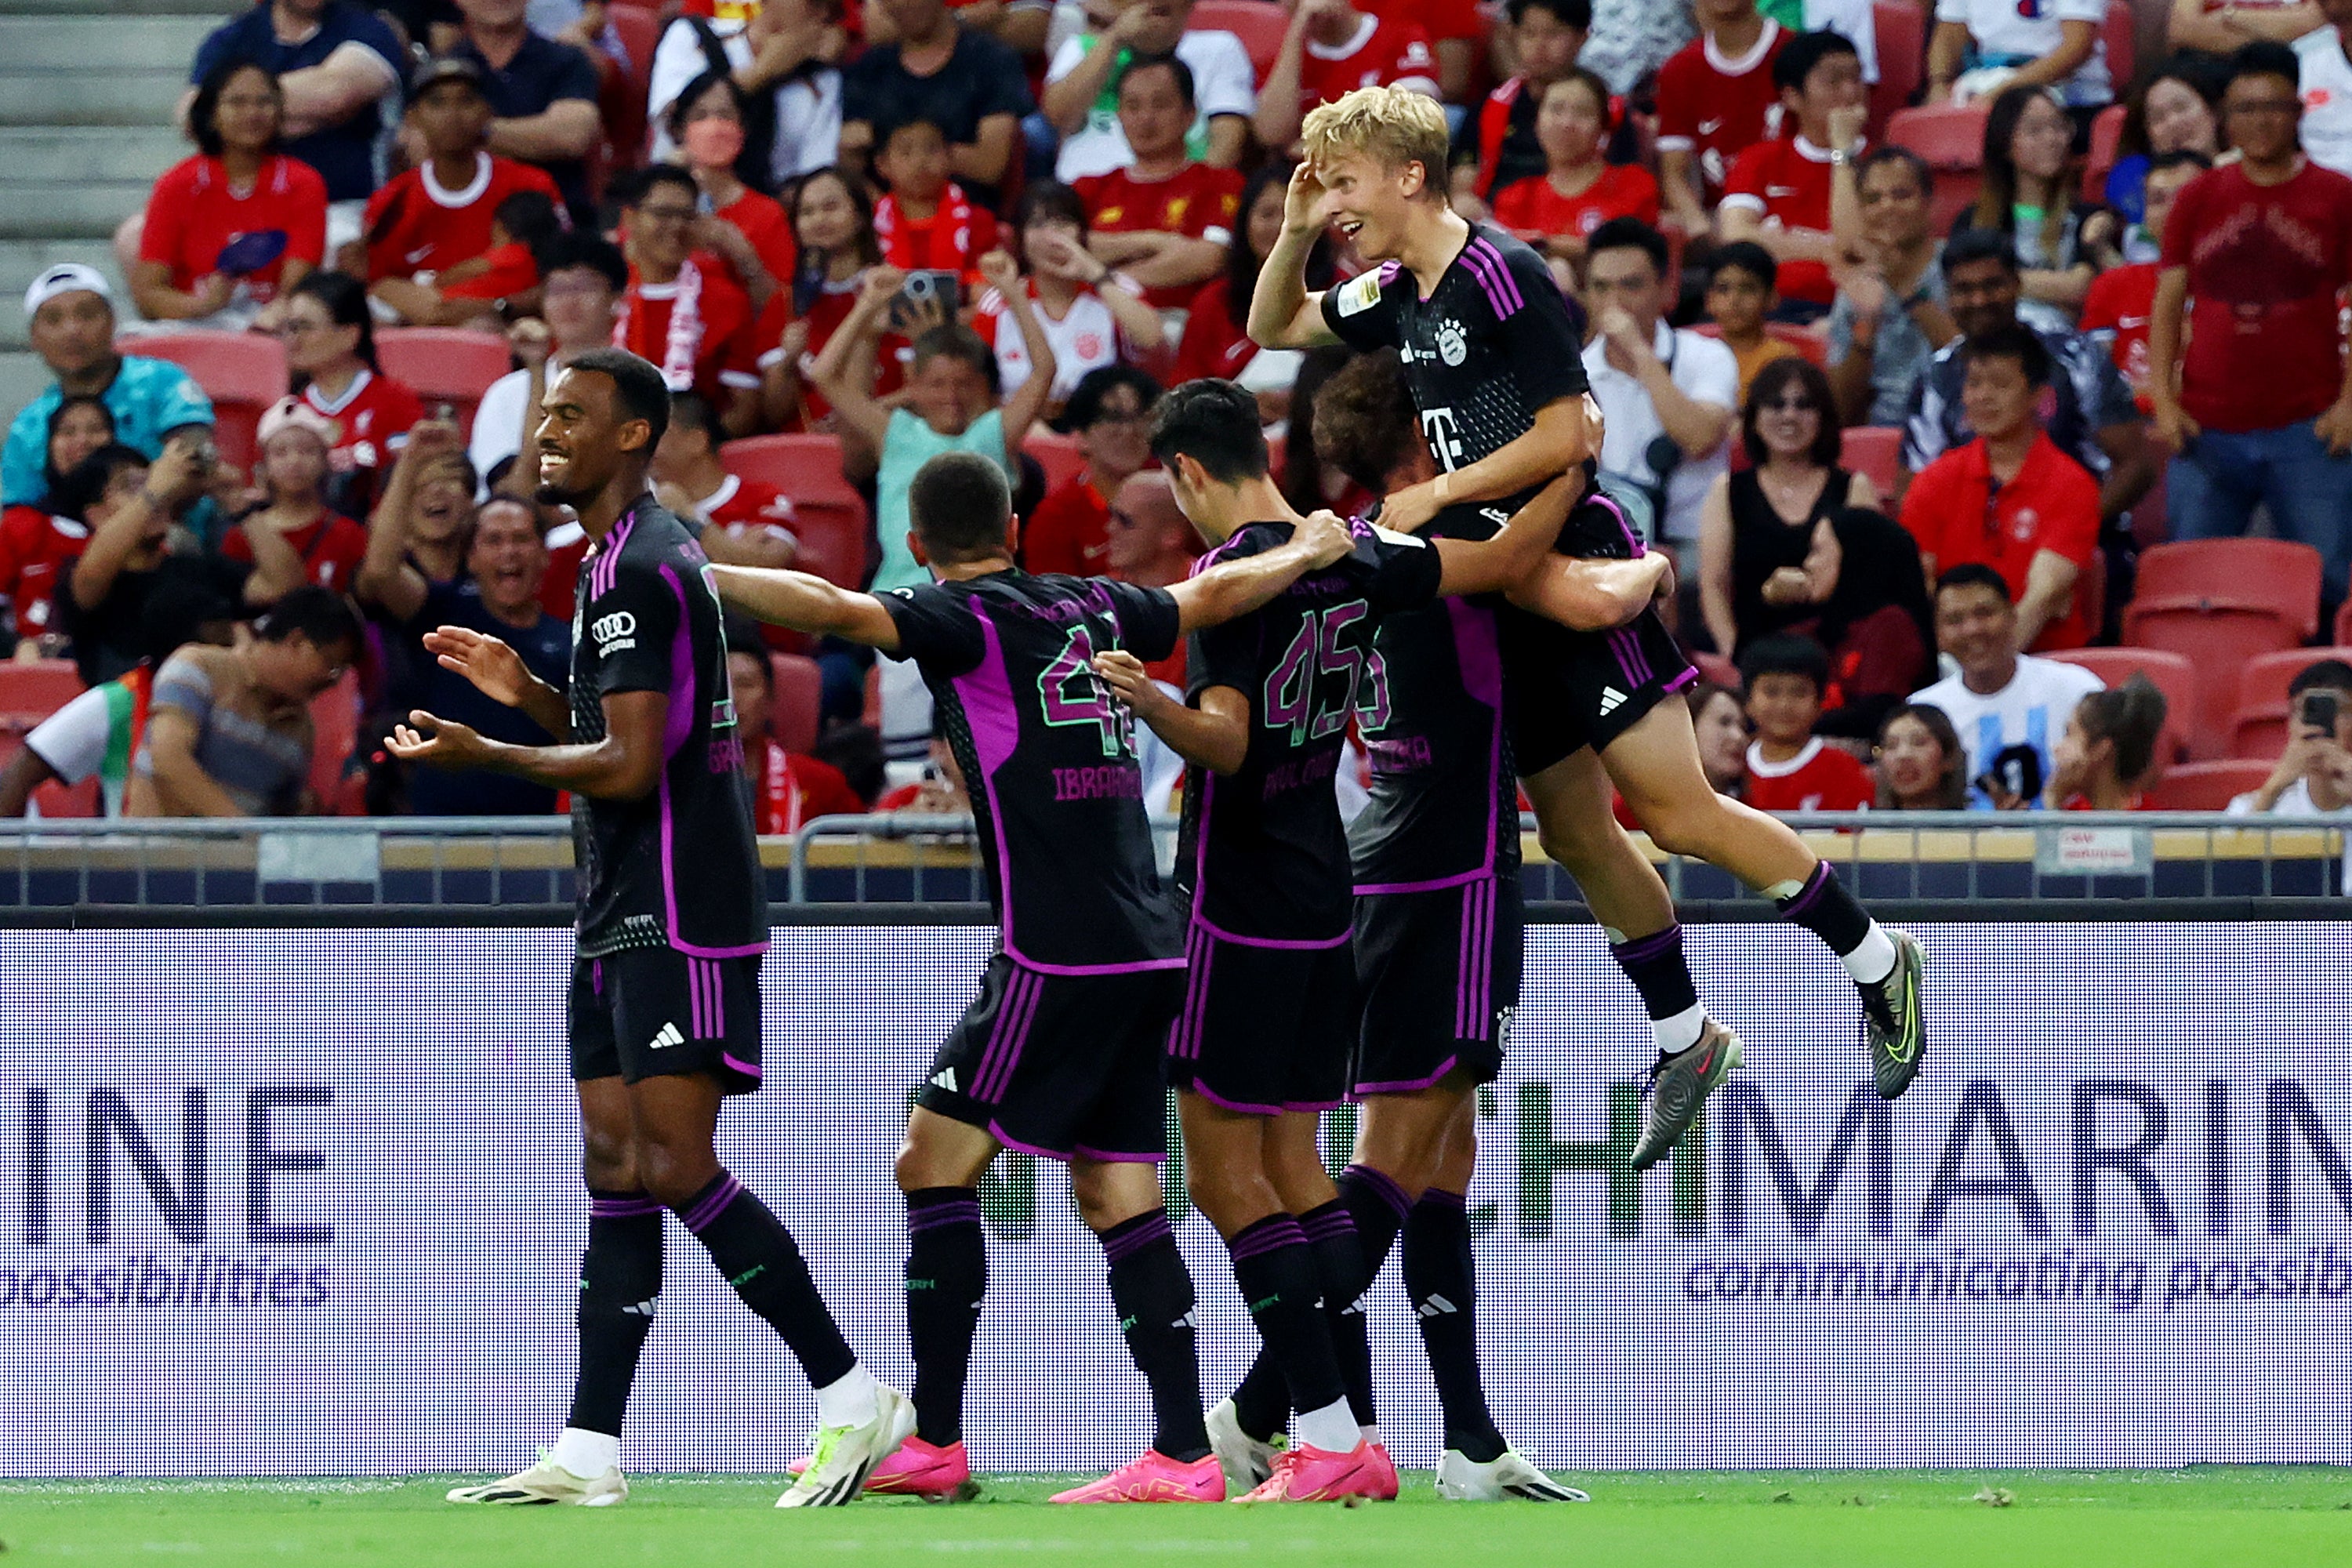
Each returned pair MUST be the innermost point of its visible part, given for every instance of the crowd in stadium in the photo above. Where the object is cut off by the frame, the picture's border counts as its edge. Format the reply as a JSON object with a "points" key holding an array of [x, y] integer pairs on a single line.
{"points": [[1919, 328]]}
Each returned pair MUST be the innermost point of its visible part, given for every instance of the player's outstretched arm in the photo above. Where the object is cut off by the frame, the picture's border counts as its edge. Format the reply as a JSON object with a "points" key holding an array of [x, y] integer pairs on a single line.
{"points": [[806, 603], [1560, 440], [1282, 313], [1231, 589], [1516, 549], [625, 766], [1594, 596], [1215, 735], [501, 675]]}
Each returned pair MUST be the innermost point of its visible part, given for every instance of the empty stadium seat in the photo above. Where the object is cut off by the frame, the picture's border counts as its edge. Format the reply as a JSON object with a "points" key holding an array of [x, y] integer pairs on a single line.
{"points": [[800, 693], [1900, 29], [59, 801], [2206, 786], [1952, 138], [832, 532], [444, 365], [1875, 452], [803, 467], [31, 692], [2261, 728], [243, 373], [623, 103], [2344, 626], [2107, 148], [2220, 603], [2169, 672], [1257, 24], [2122, 47], [1057, 454]]}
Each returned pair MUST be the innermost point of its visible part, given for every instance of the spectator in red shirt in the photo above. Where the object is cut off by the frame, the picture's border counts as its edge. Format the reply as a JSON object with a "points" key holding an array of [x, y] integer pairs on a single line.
{"points": [[229, 230], [35, 543], [926, 223], [1164, 220], [443, 212], [329, 336], [788, 789], [833, 231], [1781, 193], [2121, 306], [706, 124], [291, 479], [1497, 144], [690, 480], [1110, 414], [2011, 500], [1717, 98], [2108, 749], [2262, 412], [1557, 211], [1216, 341], [1330, 49], [1790, 768], [682, 310]]}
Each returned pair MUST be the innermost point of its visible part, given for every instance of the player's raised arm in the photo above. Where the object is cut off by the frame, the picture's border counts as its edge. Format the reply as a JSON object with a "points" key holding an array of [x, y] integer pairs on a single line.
{"points": [[806, 603], [1234, 588], [1214, 733], [1282, 313], [626, 764]]}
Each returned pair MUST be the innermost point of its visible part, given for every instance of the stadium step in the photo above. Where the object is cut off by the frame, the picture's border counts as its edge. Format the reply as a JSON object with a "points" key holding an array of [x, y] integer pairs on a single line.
{"points": [[145, 98], [96, 44]]}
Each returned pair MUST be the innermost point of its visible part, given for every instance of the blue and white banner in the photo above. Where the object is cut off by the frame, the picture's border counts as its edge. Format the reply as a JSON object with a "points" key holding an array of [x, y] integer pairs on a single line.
{"points": [[307, 1202]]}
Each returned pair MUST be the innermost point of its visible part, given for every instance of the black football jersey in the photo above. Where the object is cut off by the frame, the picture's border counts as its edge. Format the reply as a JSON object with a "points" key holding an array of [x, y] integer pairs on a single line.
{"points": [[1048, 756], [681, 866]]}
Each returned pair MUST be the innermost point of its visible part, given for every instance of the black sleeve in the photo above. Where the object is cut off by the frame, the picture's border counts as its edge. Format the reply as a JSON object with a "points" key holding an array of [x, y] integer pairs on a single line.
{"points": [[1224, 656], [1361, 313], [577, 78], [1004, 85], [1148, 624], [633, 625], [936, 629], [1406, 570], [1542, 334]]}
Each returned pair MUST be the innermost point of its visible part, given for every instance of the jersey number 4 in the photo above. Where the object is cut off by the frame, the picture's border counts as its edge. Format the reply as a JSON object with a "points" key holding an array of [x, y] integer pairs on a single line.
{"points": [[1069, 694], [1313, 688]]}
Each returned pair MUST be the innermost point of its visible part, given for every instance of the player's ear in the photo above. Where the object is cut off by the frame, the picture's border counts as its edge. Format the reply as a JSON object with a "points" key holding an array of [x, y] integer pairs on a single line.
{"points": [[1013, 535], [915, 545], [634, 434]]}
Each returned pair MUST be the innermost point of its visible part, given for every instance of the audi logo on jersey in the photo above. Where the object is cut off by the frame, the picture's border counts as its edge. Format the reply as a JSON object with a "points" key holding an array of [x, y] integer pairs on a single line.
{"points": [[607, 628]]}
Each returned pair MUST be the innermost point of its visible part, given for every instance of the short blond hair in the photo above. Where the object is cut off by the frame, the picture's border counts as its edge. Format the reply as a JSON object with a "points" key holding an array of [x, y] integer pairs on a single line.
{"points": [[1393, 125]]}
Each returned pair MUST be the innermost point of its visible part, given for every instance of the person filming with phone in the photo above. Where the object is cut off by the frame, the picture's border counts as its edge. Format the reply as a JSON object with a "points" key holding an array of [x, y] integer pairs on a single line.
{"points": [[2314, 776]]}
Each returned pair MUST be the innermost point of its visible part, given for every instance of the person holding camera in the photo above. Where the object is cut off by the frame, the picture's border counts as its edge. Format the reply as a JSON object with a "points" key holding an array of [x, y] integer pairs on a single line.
{"points": [[1668, 394], [2314, 776]]}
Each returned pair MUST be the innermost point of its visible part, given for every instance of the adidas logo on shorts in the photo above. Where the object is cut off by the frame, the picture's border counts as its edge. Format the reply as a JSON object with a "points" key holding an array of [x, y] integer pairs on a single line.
{"points": [[668, 1037], [1610, 699]]}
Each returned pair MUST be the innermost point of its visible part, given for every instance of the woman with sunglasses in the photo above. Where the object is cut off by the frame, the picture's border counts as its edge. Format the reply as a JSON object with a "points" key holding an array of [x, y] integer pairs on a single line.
{"points": [[330, 348]]}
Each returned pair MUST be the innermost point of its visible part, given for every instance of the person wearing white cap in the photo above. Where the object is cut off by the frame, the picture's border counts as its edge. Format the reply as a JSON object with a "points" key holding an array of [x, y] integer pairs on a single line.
{"points": [[294, 441], [71, 309]]}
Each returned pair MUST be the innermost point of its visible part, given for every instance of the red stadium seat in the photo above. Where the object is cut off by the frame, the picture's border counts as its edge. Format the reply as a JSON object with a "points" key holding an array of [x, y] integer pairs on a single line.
{"points": [[833, 531], [335, 722], [2123, 47], [2206, 786], [57, 800], [803, 467], [1258, 24], [31, 692], [2220, 603], [444, 365], [2169, 672], [1901, 28], [799, 692], [1057, 454], [640, 29], [1719, 669], [1952, 138], [2106, 147], [1875, 452], [243, 373], [2261, 727], [2344, 626]]}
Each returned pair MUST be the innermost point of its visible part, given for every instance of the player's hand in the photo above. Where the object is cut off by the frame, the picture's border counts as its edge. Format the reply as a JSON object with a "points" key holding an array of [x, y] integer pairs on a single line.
{"points": [[494, 668], [1302, 202], [1326, 538], [1131, 683], [1410, 509], [444, 743]]}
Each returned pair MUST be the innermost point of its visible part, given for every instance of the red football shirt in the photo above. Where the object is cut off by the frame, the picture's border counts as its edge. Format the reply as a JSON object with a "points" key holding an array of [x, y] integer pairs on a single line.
{"points": [[2121, 303], [415, 224], [1447, 21], [512, 270], [1787, 184], [193, 214], [712, 347], [34, 548], [331, 549], [1716, 106], [831, 307], [371, 420], [1198, 201], [953, 239], [2265, 264], [1385, 51], [1533, 209], [1069, 531], [1818, 778], [792, 790], [1958, 519], [1214, 344]]}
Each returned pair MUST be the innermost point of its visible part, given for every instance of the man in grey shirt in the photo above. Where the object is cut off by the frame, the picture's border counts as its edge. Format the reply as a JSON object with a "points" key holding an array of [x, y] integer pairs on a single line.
{"points": [[1892, 312]]}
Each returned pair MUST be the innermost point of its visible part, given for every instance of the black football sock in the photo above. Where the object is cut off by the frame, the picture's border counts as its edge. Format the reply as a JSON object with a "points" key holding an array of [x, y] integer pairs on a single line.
{"points": [[757, 1256], [1282, 1288], [1376, 1208], [1339, 1257], [1822, 905], [1441, 1280], [947, 1275], [1659, 972], [1261, 1400], [620, 1280], [1152, 1291]]}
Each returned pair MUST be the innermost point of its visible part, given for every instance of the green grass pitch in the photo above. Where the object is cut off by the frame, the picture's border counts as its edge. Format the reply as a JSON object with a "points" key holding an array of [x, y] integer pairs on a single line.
{"points": [[1901, 1518]]}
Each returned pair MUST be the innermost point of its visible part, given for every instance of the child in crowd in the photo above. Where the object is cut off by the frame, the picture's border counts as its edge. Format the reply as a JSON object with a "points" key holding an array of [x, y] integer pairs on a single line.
{"points": [[1092, 315], [927, 224], [2122, 300], [1580, 190], [1741, 296], [1790, 768], [507, 271], [291, 493]]}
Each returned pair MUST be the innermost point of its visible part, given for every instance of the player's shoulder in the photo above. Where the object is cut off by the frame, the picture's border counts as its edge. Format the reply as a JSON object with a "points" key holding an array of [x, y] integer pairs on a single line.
{"points": [[1509, 272], [1362, 293]]}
